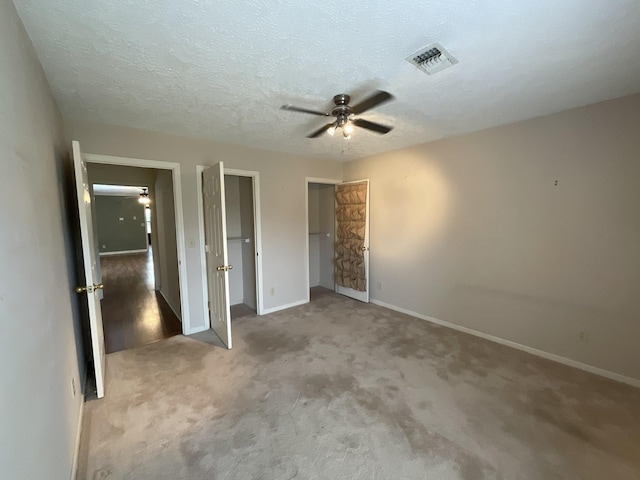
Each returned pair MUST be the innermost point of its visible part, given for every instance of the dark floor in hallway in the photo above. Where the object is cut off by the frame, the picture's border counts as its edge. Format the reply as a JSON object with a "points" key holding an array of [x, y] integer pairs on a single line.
{"points": [[133, 313]]}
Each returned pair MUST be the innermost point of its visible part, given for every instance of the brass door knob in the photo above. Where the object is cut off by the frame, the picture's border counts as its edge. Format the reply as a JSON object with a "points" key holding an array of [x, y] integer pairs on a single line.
{"points": [[363, 248], [224, 268], [90, 288]]}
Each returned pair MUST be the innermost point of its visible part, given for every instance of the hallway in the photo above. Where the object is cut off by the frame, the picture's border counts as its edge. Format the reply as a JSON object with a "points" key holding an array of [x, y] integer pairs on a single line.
{"points": [[133, 313]]}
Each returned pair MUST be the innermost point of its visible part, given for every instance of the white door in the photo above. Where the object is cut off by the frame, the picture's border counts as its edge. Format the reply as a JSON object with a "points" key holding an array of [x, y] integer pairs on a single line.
{"points": [[363, 246], [215, 231], [91, 287]]}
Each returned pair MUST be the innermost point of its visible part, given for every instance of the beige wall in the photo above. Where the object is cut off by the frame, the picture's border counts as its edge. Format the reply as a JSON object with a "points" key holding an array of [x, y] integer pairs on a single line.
{"points": [[166, 240], [474, 230], [282, 187], [40, 344]]}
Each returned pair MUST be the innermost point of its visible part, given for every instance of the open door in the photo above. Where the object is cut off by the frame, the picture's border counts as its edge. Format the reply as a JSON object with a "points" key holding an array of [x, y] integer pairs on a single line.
{"points": [[352, 240], [91, 287], [215, 237]]}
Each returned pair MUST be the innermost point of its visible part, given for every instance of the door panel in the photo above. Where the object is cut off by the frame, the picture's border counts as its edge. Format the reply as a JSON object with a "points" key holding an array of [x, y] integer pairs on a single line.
{"points": [[215, 227], [91, 273], [352, 239]]}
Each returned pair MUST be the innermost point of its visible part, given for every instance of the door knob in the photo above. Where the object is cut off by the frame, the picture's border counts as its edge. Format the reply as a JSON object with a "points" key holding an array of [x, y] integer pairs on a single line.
{"points": [[363, 248], [90, 288], [224, 268]]}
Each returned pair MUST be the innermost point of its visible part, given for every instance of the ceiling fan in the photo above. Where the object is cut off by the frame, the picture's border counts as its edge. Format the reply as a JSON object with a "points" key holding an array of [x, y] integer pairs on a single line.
{"points": [[344, 114]]}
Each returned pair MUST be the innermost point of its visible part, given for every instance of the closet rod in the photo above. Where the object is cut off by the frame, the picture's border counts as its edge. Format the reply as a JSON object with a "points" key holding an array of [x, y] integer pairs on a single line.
{"points": [[245, 240], [319, 234]]}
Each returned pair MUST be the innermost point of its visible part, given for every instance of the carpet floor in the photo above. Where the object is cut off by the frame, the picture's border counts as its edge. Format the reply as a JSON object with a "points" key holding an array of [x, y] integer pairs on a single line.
{"points": [[338, 389]]}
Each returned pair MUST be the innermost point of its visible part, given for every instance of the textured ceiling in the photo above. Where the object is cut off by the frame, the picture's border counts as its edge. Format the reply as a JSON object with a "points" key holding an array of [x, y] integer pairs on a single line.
{"points": [[221, 70]]}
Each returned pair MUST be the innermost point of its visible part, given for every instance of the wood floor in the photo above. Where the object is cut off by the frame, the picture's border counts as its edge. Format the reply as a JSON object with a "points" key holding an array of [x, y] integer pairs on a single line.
{"points": [[133, 313]]}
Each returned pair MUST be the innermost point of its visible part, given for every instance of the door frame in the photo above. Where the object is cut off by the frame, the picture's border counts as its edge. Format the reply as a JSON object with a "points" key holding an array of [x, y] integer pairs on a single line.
{"points": [[174, 167], [307, 181], [257, 231]]}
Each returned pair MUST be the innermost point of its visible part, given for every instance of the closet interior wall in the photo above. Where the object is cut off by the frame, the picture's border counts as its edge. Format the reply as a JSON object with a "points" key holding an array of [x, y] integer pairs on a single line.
{"points": [[321, 235], [240, 240]]}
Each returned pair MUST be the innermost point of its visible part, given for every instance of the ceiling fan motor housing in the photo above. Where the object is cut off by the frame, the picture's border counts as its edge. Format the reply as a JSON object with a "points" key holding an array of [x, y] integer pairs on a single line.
{"points": [[342, 110]]}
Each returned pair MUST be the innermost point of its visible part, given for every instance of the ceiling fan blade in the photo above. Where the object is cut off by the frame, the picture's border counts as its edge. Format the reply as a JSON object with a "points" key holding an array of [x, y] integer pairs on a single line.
{"points": [[374, 100], [291, 108], [375, 127], [320, 131]]}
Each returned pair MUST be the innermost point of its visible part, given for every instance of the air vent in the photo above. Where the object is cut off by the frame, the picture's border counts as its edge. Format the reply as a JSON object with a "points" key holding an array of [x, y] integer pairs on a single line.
{"points": [[432, 58]]}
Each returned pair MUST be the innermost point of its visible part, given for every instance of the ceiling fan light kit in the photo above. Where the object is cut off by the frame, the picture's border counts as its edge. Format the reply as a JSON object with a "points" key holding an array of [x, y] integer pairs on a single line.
{"points": [[144, 197], [345, 114]]}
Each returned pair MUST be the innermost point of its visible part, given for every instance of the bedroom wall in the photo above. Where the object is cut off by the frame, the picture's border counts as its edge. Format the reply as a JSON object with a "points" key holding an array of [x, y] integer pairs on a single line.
{"points": [[529, 232], [41, 353], [165, 239], [282, 186]]}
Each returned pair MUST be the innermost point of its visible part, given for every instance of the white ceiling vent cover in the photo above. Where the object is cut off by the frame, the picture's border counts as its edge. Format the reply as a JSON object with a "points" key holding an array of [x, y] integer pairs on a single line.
{"points": [[432, 58]]}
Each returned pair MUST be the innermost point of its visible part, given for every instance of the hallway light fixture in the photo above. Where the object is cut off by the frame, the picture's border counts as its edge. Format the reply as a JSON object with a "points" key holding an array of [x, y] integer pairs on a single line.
{"points": [[144, 197]]}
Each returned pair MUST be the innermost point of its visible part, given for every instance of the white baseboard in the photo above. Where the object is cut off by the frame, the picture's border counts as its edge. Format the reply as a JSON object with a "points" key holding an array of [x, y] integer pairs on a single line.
{"points": [[173, 308], [76, 452], [266, 311], [518, 346], [123, 252]]}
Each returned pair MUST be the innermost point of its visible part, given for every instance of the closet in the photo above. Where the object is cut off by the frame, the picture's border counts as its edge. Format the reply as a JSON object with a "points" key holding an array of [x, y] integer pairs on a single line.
{"points": [[240, 244], [321, 235]]}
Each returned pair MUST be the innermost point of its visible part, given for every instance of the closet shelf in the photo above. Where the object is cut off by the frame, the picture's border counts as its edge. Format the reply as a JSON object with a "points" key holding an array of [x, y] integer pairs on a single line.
{"points": [[243, 239], [319, 234]]}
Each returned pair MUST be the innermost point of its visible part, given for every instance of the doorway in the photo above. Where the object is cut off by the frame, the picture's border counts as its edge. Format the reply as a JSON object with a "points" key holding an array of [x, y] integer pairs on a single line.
{"points": [[240, 244], [230, 236], [136, 237], [337, 211], [163, 245], [321, 227]]}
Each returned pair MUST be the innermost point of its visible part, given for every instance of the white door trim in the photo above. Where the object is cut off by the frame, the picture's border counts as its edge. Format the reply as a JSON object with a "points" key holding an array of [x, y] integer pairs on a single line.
{"points": [[307, 181], [257, 228], [177, 200]]}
